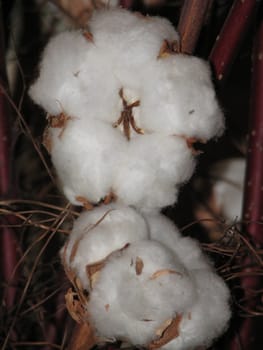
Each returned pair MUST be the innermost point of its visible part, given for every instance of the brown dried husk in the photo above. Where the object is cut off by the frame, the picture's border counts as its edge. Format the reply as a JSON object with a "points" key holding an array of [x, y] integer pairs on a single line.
{"points": [[167, 332], [168, 48]]}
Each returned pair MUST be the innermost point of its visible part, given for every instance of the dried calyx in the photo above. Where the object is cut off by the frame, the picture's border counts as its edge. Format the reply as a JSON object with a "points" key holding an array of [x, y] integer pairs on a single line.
{"points": [[127, 118]]}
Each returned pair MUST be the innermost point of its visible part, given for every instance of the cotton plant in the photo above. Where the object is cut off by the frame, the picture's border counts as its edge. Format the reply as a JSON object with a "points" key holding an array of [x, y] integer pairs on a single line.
{"points": [[147, 284], [124, 110], [113, 93]]}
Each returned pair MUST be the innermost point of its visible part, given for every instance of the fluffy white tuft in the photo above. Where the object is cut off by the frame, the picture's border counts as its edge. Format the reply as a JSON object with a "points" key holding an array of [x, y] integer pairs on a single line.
{"points": [[152, 281], [151, 171], [98, 233], [129, 305], [92, 78], [86, 157]]}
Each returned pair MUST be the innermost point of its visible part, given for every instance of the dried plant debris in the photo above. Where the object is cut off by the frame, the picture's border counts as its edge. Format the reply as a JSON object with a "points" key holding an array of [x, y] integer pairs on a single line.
{"points": [[113, 120], [144, 280]]}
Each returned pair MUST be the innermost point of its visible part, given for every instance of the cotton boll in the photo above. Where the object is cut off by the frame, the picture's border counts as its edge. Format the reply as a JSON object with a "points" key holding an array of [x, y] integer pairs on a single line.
{"points": [[132, 300], [228, 182], [162, 229], [187, 249], [100, 87], [97, 234], [152, 168], [139, 37], [57, 86], [76, 80], [208, 318], [84, 159], [183, 101]]}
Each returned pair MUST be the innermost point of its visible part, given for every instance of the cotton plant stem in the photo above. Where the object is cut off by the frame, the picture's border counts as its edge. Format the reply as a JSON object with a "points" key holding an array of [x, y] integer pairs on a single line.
{"points": [[248, 334], [253, 200], [127, 4], [191, 20], [232, 33], [82, 338], [8, 242], [78, 10]]}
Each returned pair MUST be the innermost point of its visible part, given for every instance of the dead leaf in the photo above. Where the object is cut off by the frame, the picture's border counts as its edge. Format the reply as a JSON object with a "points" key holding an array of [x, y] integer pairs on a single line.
{"points": [[47, 141], [164, 272], [85, 202], [167, 332], [111, 197], [75, 249], [139, 265], [93, 270], [168, 48], [83, 337], [59, 121], [75, 307], [88, 36]]}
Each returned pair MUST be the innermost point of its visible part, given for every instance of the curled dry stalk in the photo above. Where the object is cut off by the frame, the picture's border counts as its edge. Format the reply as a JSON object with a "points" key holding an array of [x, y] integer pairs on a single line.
{"points": [[58, 222]]}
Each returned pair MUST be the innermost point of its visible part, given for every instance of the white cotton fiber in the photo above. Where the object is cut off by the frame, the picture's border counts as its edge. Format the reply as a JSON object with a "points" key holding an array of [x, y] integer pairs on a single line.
{"points": [[152, 168], [128, 39], [132, 305], [57, 86], [187, 249], [228, 178], [69, 71], [93, 160], [183, 100], [152, 281], [151, 275], [92, 77], [84, 159], [209, 316], [98, 233]]}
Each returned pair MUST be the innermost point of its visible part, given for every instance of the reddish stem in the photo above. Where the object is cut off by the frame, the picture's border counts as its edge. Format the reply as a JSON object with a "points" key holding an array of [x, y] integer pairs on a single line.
{"points": [[228, 41], [126, 4], [191, 20], [253, 200], [248, 335], [8, 241]]}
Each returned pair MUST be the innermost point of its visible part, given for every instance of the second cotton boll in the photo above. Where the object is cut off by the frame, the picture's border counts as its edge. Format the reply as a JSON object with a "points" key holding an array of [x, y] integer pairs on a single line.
{"points": [[123, 115], [154, 288]]}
